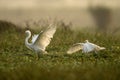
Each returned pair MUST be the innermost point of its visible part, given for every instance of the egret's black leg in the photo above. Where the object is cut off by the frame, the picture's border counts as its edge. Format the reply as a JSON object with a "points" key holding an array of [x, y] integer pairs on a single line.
{"points": [[37, 56]]}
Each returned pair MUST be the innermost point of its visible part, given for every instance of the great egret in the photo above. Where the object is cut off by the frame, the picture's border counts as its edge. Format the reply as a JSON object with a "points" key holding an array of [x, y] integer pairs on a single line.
{"points": [[40, 41], [85, 47]]}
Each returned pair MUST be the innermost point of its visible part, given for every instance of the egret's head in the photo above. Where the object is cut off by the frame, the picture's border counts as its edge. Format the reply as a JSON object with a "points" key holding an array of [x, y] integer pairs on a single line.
{"points": [[27, 32], [86, 40]]}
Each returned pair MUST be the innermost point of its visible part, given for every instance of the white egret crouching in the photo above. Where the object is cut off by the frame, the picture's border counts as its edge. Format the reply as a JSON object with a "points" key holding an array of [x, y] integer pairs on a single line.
{"points": [[41, 40], [85, 47]]}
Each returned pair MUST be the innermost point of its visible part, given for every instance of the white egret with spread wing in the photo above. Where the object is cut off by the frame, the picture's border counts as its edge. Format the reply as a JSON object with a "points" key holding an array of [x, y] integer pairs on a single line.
{"points": [[40, 41], [85, 47]]}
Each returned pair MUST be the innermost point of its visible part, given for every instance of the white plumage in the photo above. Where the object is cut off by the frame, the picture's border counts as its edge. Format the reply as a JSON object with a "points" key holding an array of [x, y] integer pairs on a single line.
{"points": [[85, 47], [40, 41], [34, 37]]}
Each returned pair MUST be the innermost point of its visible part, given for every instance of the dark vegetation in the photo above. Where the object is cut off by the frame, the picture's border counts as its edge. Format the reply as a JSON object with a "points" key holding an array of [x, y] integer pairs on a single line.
{"points": [[102, 16], [8, 26]]}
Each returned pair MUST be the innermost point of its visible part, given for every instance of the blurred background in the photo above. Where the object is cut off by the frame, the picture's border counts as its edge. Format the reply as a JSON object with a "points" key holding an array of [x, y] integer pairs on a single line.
{"points": [[100, 14]]}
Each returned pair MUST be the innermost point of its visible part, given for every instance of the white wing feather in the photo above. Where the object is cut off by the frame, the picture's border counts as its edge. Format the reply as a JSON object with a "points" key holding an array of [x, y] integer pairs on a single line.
{"points": [[98, 48], [76, 47], [34, 38], [44, 38]]}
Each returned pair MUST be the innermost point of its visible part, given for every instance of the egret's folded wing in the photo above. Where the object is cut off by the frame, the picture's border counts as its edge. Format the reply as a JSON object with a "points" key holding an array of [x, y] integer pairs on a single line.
{"points": [[76, 47], [44, 38], [34, 37], [90, 47]]}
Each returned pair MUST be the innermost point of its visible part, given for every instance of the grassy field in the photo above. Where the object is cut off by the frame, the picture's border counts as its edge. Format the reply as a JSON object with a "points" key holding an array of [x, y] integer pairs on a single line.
{"points": [[57, 65]]}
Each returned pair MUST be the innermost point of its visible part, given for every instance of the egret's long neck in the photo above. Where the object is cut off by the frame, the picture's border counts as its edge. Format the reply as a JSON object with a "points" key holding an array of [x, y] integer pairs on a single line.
{"points": [[26, 40]]}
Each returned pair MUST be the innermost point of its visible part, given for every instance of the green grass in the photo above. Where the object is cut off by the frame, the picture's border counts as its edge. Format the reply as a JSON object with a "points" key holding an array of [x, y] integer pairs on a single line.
{"points": [[57, 65]]}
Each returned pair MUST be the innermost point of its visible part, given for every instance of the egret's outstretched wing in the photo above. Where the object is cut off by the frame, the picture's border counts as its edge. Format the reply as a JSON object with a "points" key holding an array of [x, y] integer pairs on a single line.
{"points": [[44, 38], [76, 47], [34, 37]]}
